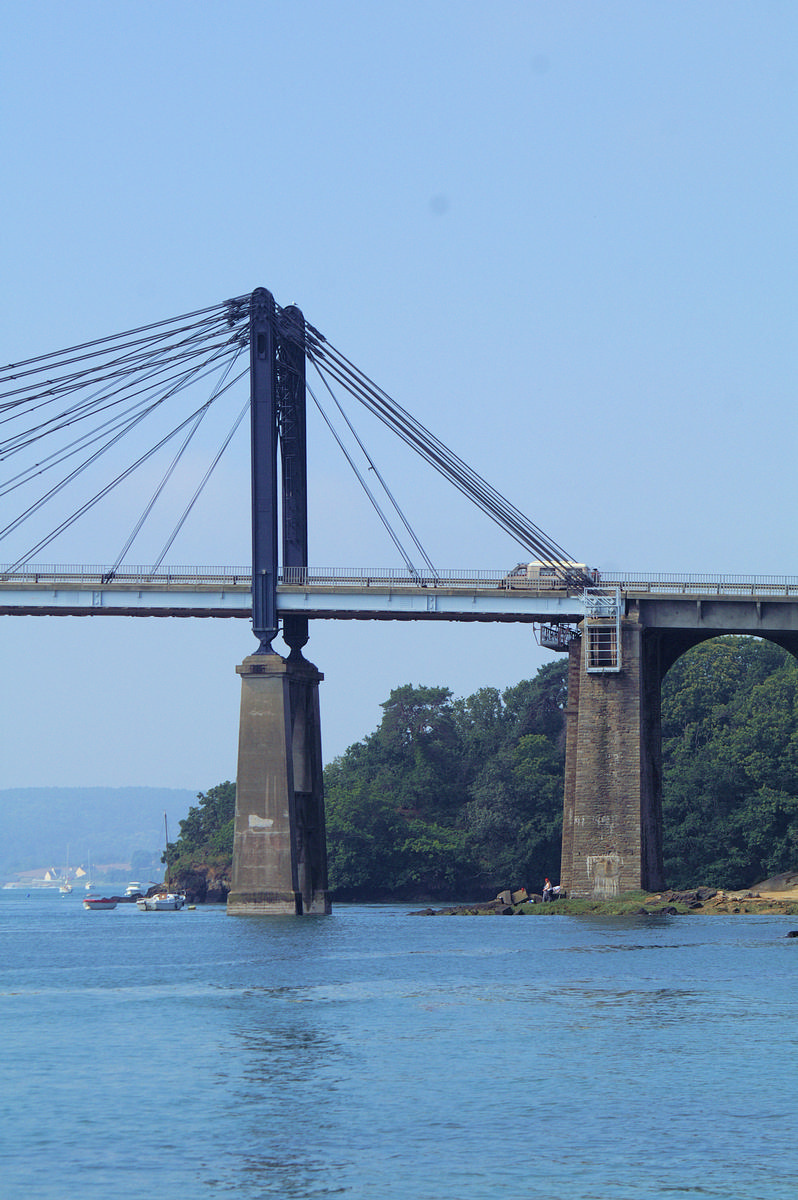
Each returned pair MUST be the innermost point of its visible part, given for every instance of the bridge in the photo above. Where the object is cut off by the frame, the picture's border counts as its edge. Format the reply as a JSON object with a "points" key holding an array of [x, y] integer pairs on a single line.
{"points": [[621, 633], [335, 592], [381, 594]]}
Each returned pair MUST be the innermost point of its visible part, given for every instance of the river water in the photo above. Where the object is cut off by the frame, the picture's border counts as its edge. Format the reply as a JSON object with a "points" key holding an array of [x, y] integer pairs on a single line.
{"points": [[376, 1054]]}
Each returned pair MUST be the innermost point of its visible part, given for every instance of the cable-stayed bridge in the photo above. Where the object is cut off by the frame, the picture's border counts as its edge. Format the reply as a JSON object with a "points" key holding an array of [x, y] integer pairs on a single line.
{"points": [[66, 416], [349, 593]]}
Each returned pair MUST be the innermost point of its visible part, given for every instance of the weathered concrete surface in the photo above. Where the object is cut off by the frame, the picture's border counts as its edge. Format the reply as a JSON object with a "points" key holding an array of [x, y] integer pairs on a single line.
{"points": [[612, 827], [612, 809], [279, 846]]}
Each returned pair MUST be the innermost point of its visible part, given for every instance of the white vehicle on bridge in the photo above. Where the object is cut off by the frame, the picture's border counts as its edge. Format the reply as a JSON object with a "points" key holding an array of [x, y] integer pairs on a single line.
{"points": [[550, 573]]}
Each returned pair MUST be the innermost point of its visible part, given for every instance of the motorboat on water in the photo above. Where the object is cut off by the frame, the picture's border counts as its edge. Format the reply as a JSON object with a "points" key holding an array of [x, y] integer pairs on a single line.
{"points": [[133, 890], [98, 903], [161, 902]]}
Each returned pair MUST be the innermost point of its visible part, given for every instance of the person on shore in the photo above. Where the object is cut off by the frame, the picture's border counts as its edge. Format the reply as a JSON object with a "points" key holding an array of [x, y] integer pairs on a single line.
{"points": [[548, 891]]}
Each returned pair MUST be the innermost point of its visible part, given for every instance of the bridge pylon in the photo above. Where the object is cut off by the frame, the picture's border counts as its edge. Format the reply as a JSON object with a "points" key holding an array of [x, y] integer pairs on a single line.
{"points": [[279, 845]]}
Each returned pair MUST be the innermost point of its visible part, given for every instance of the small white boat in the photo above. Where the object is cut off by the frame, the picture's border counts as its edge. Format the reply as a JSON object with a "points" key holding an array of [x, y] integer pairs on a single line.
{"points": [[161, 902], [164, 901], [133, 889], [97, 903]]}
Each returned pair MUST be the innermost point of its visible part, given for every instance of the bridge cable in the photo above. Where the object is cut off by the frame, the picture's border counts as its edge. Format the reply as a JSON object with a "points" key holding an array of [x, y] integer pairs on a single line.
{"points": [[137, 371], [443, 459], [375, 469], [472, 486], [84, 508], [205, 478], [364, 485], [130, 424], [184, 380], [214, 308], [117, 428], [433, 451], [217, 391], [62, 419]]}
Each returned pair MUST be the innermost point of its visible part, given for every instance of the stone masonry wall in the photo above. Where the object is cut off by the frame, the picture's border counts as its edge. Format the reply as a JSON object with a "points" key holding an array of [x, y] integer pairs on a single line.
{"points": [[604, 779]]}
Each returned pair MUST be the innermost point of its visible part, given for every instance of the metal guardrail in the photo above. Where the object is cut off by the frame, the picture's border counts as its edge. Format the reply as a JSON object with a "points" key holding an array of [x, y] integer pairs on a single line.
{"points": [[182, 577], [392, 577], [704, 585], [93, 575]]}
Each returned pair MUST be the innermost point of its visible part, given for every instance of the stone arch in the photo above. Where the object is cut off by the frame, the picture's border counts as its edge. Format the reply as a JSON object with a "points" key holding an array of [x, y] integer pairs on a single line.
{"points": [[701, 785], [612, 807], [677, 643]]}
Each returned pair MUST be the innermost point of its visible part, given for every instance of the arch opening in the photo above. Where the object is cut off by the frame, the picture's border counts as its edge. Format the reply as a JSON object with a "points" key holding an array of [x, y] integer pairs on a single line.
{"points": [[729, 758]]}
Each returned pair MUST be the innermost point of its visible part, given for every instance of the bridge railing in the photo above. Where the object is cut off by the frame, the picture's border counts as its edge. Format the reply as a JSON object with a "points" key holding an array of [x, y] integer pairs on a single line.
{"points": [[93, 574], [703, 585], [319, 577], [382, 577], [188, 577]]}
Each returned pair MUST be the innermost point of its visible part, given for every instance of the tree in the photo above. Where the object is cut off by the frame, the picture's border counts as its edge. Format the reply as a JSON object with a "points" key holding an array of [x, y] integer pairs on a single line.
{"points": [[207, 831], [730, 763], [450, 797]]}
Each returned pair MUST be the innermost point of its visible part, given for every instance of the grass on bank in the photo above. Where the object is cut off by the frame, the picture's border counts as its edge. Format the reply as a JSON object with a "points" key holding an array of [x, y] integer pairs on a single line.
{"points": [[631, 903], [622, 905]]}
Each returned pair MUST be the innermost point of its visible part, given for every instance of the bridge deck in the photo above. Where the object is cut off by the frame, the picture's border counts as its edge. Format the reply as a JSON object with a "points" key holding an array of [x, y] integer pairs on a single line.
{"points": [[226, 592], [344, 593]]}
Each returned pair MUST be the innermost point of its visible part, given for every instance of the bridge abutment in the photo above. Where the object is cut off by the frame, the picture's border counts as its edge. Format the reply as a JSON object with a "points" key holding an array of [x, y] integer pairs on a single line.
{"points": [[612, 811], [612, 822], [279, 854]]}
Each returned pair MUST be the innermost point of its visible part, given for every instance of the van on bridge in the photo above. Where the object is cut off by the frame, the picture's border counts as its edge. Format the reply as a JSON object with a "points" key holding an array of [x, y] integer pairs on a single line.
{"points": [[550, 573]]}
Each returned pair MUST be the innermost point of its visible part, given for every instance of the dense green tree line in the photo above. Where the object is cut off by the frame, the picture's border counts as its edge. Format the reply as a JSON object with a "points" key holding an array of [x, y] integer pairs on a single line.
{"points": [[457, 798], [730, 764], [206, 835], [451, 797]]}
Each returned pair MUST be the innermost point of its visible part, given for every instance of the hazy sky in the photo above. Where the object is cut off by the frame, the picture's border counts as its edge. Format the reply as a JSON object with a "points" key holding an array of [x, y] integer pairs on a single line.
{"points": [[561, 234]]}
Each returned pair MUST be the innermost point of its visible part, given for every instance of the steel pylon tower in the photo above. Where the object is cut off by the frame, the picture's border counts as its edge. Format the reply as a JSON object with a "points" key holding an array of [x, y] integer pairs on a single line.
{"points": [[277, 370]]}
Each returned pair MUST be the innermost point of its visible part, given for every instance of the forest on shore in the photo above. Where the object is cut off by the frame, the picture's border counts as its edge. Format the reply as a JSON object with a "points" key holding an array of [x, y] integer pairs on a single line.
{"points": [[460, 797]]}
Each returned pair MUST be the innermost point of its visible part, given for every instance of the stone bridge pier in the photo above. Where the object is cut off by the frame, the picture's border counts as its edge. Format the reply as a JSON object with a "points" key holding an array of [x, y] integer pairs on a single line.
{"points": [[612, 813], [280, 850]]}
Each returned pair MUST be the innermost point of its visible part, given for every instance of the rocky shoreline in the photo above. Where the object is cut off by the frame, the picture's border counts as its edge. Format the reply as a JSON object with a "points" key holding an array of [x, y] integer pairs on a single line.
{"points": [[776, 896], [203, 884]]}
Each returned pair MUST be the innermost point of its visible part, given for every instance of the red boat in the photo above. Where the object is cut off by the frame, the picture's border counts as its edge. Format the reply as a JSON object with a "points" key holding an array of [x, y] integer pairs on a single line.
{"points": [[95, 903]]}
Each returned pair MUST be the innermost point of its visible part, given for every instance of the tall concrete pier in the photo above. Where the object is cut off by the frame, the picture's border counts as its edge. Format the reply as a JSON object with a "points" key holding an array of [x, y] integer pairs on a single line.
{"points": [[612, 812], [280, 855]]}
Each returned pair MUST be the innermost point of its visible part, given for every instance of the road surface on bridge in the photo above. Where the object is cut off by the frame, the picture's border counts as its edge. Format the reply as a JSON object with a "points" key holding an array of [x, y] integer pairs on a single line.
{"points": [[350, 593]]}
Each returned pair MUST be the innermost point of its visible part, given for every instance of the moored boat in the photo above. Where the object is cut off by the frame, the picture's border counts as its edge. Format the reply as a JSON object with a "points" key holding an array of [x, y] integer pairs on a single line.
{"points": [[161, 902], [96, 903], [164, 901]]}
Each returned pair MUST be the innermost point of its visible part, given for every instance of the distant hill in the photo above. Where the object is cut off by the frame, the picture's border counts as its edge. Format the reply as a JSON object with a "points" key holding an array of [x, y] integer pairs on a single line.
{"points": [[41, 826]]}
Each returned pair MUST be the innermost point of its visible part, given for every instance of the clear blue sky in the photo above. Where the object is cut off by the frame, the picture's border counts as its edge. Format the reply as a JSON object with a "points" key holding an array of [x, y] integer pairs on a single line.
{"points": [[561, 234]]}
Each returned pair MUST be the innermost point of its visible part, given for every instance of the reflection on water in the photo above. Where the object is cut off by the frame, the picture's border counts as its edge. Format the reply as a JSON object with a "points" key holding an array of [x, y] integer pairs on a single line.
{"points": [[372, 1053]]}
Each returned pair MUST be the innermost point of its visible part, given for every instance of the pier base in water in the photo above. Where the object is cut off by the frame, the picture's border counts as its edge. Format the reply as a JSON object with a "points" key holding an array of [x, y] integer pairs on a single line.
{"points": [[279, 848]]}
